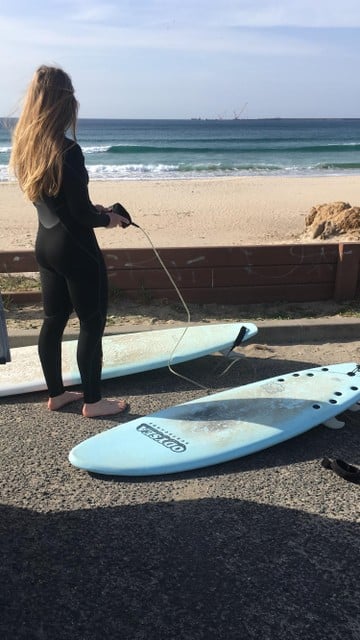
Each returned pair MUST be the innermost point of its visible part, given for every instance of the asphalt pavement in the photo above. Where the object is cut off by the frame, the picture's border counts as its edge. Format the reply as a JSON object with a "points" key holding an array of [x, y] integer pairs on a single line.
{"points": [[266, 546]]}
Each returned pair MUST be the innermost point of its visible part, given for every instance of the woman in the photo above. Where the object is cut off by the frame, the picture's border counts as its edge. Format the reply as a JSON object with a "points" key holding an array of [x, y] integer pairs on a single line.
{"points": [[51, 172]]}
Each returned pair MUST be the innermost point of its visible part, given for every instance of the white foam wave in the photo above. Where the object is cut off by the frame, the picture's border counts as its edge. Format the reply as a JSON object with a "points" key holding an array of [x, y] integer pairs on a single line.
{"points": [[95, 149], [176, 172], [131, 171]]}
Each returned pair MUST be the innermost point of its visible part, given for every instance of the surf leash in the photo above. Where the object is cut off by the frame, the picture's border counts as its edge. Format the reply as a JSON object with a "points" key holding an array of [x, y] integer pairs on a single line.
{"points": [[121, 211], [342, 468], [354, 371]]}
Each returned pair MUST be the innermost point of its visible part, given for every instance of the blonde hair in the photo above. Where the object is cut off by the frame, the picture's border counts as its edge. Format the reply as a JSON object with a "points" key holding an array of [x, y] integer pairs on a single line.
{"points": [[50, 109]]}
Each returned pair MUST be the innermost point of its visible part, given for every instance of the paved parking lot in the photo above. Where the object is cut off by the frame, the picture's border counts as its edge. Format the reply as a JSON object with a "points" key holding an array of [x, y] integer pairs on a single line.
{"points": [[266, 546]]}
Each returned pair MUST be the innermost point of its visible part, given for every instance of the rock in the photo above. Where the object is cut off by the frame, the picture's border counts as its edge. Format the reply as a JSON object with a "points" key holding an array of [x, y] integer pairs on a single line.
{"points": [[336, 218]]}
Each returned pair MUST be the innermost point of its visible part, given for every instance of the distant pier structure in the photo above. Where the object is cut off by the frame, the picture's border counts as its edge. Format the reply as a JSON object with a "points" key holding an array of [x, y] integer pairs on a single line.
{"points": [[238, 114]]}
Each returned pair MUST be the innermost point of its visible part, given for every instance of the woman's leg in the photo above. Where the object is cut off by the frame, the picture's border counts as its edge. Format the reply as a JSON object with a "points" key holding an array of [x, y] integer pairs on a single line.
{"points": [[88, 288], [57, 309]]}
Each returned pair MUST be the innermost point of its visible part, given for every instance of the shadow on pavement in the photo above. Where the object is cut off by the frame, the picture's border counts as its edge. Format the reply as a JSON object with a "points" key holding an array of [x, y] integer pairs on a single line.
{"points": [[210, 568]]}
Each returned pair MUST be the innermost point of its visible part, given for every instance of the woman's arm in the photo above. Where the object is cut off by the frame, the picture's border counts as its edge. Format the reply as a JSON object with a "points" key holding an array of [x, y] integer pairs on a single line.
{"points": [[75, 190]]}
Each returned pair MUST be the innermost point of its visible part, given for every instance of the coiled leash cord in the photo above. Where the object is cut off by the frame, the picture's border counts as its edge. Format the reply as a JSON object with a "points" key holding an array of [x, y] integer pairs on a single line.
{"points": [[120, 210]]}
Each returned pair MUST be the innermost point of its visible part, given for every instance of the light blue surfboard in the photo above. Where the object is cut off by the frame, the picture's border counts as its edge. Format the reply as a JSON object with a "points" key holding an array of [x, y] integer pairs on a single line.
{"points": [[222, 426], [125, 354]]}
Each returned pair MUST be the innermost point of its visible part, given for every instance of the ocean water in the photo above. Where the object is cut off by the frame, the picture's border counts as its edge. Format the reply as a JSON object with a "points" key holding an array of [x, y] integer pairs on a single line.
{"points": [[170, 149]]}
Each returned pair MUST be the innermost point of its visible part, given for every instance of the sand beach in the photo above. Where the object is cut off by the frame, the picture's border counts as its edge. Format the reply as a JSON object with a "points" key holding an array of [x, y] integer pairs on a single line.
{"points": [[195, 212]]}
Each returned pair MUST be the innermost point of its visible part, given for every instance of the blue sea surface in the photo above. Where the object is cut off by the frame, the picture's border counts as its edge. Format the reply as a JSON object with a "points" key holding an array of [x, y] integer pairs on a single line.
{"points": [[170, 149]]}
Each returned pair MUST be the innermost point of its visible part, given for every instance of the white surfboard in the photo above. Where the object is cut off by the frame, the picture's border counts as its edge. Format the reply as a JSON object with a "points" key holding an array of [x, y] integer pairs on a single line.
{"points": [[222, 426], [125, 354]]}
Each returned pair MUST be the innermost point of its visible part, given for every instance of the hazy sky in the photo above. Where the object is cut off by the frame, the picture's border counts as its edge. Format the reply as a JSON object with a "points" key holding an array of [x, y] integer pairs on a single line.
{"points": [[188, 58]]}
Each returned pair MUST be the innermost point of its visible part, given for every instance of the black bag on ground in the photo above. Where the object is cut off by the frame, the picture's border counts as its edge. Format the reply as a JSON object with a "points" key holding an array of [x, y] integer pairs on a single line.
{"points": [[4, 340]]}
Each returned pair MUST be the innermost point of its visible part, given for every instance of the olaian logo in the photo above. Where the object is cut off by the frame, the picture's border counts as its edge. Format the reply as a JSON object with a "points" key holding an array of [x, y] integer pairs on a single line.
{"points": [[165, 439]]}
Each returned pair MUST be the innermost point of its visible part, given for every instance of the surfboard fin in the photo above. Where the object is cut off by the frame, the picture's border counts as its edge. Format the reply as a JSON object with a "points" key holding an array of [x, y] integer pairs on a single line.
{"points": [[238, 340], [334, 423], [229, 353], [240, 337], [355, 407]]}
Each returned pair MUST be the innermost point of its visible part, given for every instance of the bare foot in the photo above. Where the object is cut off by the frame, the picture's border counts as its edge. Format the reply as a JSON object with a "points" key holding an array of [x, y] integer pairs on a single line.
{"points": [[56, 403], [104, 408]]}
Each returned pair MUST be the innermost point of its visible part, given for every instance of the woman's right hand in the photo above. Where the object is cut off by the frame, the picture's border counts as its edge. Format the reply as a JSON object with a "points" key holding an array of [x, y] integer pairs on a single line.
{"points": [[116, 220]]}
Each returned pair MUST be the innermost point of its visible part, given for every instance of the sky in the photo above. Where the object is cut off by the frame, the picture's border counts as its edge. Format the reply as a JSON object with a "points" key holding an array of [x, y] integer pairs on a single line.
{"points": [[188, 58]]}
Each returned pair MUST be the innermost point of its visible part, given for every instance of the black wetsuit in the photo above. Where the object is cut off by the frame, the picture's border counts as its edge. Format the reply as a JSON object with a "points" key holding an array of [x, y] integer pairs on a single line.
{"points": [[73, 276]]}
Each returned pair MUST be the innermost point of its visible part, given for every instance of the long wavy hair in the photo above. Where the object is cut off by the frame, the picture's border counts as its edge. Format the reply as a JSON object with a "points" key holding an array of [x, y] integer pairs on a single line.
{"points": [[38, 141]]}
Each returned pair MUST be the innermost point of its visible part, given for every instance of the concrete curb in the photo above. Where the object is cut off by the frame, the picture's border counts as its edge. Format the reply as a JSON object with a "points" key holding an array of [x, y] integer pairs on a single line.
{"points": [[304, 331]]}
